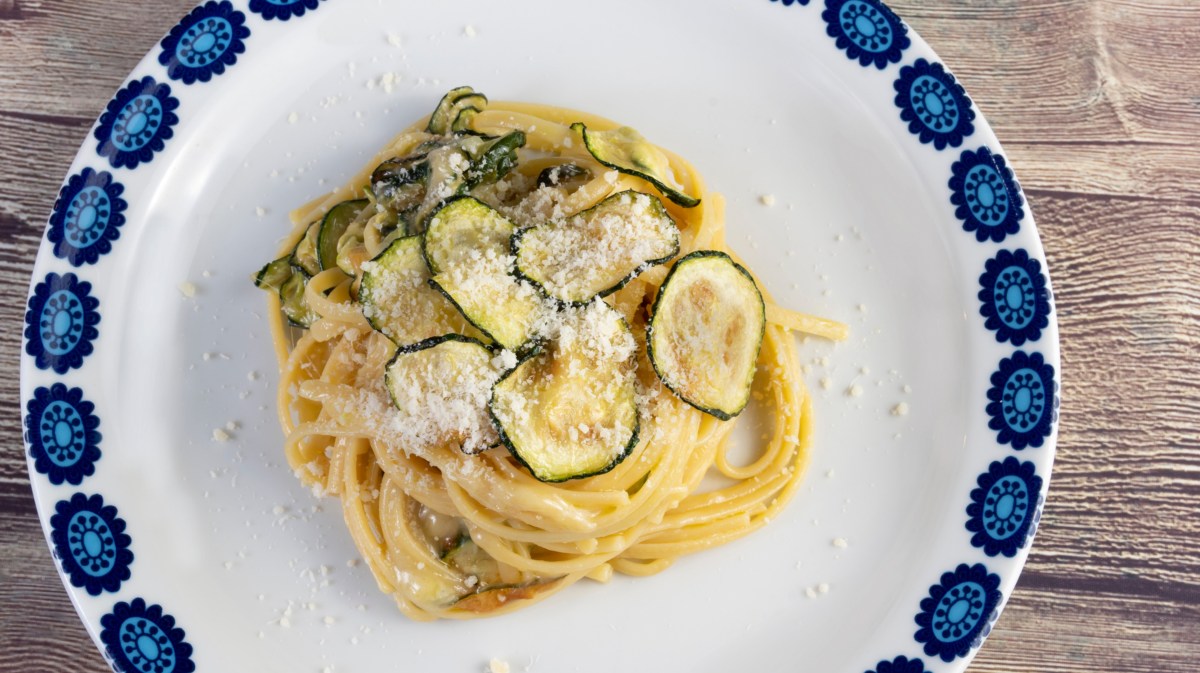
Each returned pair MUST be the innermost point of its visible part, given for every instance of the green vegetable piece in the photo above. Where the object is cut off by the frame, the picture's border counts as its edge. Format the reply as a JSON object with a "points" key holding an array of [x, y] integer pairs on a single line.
{"points": [[336, 222], [274, 274], [304, 255], [567, 176], [399, 184], [448, 111], [598, 251], [570, 411], [397, 299], [625, 150], [454, 373], [467, 249], [294, 305], [706, 331], [494, 160]]}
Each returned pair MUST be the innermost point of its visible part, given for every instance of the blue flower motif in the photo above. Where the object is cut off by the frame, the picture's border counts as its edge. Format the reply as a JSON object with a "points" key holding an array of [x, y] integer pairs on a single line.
{"points": [[1002, 509], [204, 43], [87, 217], [284, 9], [1024, 400], [934, 104], [62, 434], [1014, 298], [900, 665], [867, 30], [137, 123], [959, 611], [986, 196], [60, 324], [90, 541], [141, 639]]}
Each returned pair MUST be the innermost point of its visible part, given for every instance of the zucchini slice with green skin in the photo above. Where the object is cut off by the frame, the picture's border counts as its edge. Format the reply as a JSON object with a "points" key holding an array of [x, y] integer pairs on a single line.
{"points": [[469, 559], [464, 164], [467, 249], [466, 115], [460, 227], [448, 113], [490, 599], [397, 299], [598, 251], [570, 410], [447, 167], [567, 176], [440, 388], [283, 278], [494, 159], [291, 297], [274, 274], [336, 222], [625, 150], [705, 332], [413, 187], [399, 184], [304, 255]]}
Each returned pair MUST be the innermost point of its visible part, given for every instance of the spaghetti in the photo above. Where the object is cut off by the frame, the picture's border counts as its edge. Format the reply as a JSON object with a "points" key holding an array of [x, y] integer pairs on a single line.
{"points": [[451, 534]]}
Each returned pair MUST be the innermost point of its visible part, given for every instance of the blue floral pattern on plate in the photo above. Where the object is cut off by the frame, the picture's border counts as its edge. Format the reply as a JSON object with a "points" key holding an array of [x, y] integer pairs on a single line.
{"points": [[959, 611], [87, 217], [143, 639], [1002, 509], [1014, 298], [282, 9], [1023, 400], [985, 195], [62, 432], [138, 122], [934, 104], [867, 31], [60, 324], [900, 665], [90, 541], [204, 43]]}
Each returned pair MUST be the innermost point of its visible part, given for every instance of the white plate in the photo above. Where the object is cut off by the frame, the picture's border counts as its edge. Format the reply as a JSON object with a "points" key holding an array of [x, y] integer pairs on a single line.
{"points": [[763, 100]]}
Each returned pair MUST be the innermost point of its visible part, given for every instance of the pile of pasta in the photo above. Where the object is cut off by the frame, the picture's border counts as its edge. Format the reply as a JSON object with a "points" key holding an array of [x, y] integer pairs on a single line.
{"points": [[452, 530]]}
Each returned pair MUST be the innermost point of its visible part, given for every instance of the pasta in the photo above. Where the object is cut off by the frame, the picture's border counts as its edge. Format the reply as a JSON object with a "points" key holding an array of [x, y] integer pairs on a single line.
{"points": [[451, 534]]}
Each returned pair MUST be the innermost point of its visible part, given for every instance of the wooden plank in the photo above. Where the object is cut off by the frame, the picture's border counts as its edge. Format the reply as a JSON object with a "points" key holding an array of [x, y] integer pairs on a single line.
{"points": [[1159, 171], [1065, 632], [46, 44], [39, 631], [1126, 485], [1096, 70]]}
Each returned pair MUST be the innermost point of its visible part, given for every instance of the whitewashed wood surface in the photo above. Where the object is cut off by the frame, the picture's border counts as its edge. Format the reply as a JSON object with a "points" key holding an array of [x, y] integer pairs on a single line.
{"points": [[1097, 103]]}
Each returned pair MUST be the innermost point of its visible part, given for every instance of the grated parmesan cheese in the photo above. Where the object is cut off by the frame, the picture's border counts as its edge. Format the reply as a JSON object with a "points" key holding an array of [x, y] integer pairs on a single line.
{"points": [[597, 249], [441, 393]]}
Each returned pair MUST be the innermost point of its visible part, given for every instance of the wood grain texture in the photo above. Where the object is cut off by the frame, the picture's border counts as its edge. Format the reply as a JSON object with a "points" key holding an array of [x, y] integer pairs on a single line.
{"points": [[1098, 104]]}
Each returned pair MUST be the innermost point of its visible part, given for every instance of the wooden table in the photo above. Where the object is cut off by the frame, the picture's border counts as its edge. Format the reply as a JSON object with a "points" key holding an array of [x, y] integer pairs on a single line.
{"points": [[1098, 105]]}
